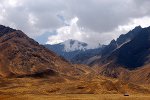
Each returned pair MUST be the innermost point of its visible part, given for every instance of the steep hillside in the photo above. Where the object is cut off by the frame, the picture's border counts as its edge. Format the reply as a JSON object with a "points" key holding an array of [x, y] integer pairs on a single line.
{"points": [[22, 56]]}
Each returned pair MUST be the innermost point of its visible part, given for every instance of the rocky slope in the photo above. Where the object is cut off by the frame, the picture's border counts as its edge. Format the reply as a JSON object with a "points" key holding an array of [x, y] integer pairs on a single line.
{"points": [[22, 56]]}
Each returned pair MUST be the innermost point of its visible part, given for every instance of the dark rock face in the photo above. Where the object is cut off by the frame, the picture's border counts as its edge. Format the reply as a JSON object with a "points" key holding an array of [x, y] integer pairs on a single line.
{"points": [[124, 38], [129, 36], [21, 56], [109, 49], [135, 53]]}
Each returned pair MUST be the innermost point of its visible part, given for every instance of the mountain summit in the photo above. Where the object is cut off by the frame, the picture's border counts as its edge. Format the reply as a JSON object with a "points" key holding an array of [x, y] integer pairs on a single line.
{"points": [[73, 45]]}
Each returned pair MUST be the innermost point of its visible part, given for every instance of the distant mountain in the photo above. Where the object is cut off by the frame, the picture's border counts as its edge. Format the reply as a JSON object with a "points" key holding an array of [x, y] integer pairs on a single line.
{"points": [[74, 45], [70, 49], [22, 56]]}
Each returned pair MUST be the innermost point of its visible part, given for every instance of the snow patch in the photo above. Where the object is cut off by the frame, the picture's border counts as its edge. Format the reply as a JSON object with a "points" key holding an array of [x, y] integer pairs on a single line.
{"points": [[73, 45]]}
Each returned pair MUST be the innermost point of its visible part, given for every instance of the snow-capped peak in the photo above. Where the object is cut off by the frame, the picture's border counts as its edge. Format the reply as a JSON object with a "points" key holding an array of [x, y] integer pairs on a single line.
{"points": [[72, 45]]}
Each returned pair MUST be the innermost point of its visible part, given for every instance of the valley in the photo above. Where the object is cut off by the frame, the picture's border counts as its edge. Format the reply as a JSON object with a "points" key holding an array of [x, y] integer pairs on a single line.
{"points": [[29, 70], [74, 49]]}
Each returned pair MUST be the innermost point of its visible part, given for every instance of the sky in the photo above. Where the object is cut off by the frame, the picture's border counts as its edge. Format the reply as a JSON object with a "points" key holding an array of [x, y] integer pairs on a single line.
{"points": [[90, 21]]}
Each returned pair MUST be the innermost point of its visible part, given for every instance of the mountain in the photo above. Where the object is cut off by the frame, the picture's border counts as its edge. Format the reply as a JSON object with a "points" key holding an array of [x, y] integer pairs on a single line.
{"points": [[123, 39], [70, 49], [22, 56], [130, 61], [133, 52], [136, 52], [107, 50]]}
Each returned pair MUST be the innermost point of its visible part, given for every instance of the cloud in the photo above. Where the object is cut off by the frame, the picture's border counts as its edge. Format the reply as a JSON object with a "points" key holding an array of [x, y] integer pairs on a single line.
{"points": [[143, 22], [33, 19], [98, 20], [72, 31]]}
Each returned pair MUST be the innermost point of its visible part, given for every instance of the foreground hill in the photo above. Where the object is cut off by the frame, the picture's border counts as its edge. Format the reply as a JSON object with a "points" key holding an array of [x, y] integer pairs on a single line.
{"points": [[22, 56]]}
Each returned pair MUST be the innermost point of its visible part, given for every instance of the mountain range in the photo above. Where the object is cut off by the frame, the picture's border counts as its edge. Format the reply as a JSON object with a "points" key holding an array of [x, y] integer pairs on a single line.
{"points": [[129, 53], [72, 67], [80, 53]]}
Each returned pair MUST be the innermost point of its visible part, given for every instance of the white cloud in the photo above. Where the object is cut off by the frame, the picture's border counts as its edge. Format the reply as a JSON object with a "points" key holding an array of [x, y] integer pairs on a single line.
{"points": [[32, 19], [73, 31], [143, 22], [123, 29], [13, 3]]}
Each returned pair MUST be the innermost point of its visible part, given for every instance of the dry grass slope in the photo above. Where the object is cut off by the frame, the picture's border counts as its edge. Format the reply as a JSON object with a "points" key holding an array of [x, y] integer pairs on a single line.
{"points": [[50, 89]]}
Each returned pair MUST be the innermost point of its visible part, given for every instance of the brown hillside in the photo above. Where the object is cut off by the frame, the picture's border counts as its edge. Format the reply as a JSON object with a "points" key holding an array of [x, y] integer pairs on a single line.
{"points": [[22, 56]]}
